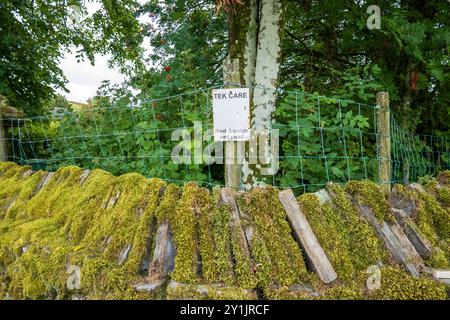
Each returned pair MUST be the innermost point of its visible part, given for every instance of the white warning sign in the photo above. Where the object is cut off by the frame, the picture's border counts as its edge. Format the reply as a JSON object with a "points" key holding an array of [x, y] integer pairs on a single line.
{"points": [[231, 113]]}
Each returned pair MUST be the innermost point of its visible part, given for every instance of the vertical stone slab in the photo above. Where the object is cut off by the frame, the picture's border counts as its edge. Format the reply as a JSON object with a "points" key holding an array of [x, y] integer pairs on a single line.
{"points": [[395, 240], [229, 197], [163, 260], [422, 245], [306, 237]]}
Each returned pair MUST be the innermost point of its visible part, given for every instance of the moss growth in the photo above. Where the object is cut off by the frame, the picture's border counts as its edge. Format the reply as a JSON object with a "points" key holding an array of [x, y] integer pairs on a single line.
{"points": [[185, 237], [105, 227], [329, 231], [263, 267], [6, 166], [438, 216], [127, 223], [25, 190], [36, 266], [438, 259], [286, 293], [194, 292], [54, 198], [203, 209], [362, 243], [444, 196], [348, 240], [167, 207], [243, 268], [317, 290], [440, 188], [9, 170], [14, 188], [444, 178], [106, 281], [206, 225], [396, 284], [432, 222], [351, 291], [277, 257], [367, 193], [221, 234], [80, 205], [63, 224]]}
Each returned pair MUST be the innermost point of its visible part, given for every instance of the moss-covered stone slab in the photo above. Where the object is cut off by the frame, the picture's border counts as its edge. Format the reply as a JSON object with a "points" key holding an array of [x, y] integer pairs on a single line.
{"points": [[437, 273], [276, 255], [393, 243], [228, 196], [430, 220], [183, 291], [163, 261], [422, 245], [398, 200], [293, 292], [306, 237], [80, 234], [373, 206], [243, 265]]}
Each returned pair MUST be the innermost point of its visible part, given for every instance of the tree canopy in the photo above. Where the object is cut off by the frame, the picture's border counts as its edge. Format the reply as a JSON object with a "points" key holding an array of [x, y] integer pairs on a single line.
{"points": [[326, 48], [34, 35]]}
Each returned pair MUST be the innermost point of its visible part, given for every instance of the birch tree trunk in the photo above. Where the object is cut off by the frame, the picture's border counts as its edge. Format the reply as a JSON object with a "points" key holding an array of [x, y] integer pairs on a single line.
{"points": [[242, 37], [254, 28], [267, 63]]}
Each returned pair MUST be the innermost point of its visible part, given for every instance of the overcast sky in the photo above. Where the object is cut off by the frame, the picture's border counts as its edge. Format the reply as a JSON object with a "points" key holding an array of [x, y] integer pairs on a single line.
{"points": [[84, 79]]}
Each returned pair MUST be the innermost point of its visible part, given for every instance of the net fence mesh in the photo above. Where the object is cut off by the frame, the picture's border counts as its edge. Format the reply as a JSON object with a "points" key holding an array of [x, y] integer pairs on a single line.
{"points": [[321, 139]]}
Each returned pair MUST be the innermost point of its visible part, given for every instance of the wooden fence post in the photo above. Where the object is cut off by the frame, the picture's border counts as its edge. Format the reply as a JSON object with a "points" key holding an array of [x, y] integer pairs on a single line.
{"points": [[232, 168], [384, 141], [3, 150], [10, 114]]}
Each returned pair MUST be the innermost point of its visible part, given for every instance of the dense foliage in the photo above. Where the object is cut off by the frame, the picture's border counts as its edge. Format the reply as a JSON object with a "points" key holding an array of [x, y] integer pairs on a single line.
{"points": [[327, 49], [34, 36]]}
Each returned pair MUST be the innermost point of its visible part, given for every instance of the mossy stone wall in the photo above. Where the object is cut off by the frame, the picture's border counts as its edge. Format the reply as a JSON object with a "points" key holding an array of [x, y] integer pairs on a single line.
{"points": [[92, 238]]}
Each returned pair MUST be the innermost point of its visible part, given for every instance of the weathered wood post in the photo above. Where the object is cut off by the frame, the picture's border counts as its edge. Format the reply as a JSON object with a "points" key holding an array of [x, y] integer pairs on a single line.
{"points": [[232, 168], [406, 172], [3, 150], [384, 141], [8, 116]]}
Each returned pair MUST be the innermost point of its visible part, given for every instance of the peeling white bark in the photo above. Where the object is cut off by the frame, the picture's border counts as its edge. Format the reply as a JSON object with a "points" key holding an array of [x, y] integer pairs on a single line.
{"points": [[246, 172], [267, 63], [267, 66], [260, 69], [250, 47]]}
